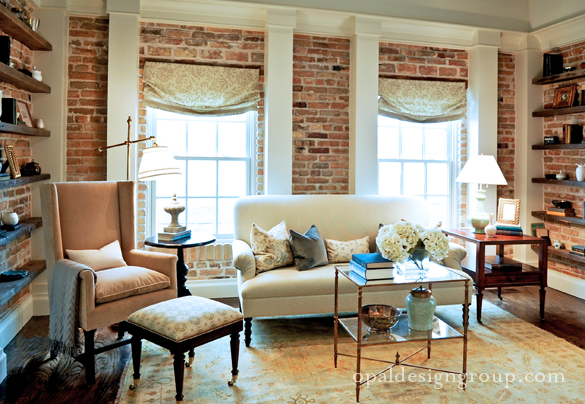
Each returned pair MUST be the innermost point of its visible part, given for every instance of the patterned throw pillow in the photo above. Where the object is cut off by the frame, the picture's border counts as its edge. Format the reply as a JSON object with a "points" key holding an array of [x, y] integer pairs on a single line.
{"points": [[341, 251], [271, 248]]}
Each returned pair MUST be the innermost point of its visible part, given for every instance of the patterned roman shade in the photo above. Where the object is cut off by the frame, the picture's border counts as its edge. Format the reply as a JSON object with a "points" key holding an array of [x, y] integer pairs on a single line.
{"points": [[200, 90], [422, 101]]}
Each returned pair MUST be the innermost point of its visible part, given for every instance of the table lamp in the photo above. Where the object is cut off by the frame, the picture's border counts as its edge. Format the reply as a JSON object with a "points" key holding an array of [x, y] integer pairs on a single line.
{"points": [[481, 170]]}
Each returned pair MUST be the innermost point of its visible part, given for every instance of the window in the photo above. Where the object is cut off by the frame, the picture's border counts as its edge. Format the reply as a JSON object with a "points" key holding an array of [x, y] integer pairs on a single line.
{"points": [[416, 159], [215, 157]]}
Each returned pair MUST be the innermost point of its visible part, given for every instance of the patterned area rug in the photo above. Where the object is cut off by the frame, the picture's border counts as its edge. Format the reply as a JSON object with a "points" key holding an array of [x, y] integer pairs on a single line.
{"points": [[291, 362]]}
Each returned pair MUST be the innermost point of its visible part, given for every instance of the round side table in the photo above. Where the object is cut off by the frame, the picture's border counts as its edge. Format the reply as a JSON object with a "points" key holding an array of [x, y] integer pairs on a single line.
{"points": [[196, 240]]}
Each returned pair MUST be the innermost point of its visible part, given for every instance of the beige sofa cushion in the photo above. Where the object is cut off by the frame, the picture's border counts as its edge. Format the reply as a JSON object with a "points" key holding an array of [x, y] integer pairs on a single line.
{"points": [[109, 256], [118, 283], [341, 251]]}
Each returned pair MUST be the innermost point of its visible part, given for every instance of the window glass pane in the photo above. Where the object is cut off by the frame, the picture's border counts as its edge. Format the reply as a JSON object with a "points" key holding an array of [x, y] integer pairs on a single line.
{"points": [[232, 139], [438, 210], [435, 144], [232, 178], [163, 219], [437, 179], [226, 215], [202, 178], [201, 215], [412, 143], [388, 142], [173, 184], [389, 178], [201, 139], [414, 179], [172, 134]]}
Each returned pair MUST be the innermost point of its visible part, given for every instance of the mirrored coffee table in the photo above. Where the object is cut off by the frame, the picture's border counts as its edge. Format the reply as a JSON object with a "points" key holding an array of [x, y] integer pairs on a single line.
{"points": [[400, 333]]}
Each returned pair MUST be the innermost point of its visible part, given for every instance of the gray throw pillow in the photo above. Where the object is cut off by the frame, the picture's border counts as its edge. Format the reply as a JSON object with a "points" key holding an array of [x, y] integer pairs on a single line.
{"points": [[308, 249]]}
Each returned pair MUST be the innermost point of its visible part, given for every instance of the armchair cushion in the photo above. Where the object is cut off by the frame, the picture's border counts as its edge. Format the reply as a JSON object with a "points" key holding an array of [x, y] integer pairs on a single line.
{"points": [[118, 283], [109, 256]]}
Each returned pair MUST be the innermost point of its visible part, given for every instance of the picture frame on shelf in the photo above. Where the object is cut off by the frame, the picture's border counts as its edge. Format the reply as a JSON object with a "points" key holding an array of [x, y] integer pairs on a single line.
{"points": [[564, 96], [12, 162], [24, 113], [509, 211], [534, 227]]}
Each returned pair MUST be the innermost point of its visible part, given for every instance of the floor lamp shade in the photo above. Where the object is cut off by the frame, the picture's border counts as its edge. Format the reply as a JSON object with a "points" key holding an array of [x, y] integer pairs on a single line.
{"points": [[157, 161]]}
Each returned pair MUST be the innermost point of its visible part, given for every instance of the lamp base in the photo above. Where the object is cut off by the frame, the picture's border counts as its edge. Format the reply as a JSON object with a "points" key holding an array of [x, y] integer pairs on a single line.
{"points": [[479, 221]]}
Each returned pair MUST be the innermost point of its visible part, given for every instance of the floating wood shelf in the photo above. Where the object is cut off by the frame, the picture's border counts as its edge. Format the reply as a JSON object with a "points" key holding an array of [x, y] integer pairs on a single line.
{"points": [[28, 225], [566, 255], [13, 26], [558, 146], [557, 78], [23, 130], [559, 182], [12, 76], [24, 180], [10, 290], [559, 111], [542, 215]]}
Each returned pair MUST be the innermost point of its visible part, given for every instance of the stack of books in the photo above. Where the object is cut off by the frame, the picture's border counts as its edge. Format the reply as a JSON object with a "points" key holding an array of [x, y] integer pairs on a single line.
{"points": [[508, 230], [560, 211], [578, 250], [371, 266], [4, 176], [174, 236], [497, 263]]}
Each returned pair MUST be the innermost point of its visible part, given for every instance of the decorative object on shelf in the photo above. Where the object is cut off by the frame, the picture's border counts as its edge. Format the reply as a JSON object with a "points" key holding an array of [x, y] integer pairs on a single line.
{"points": [[36, 74], [578, 250], [9, 114], [10, 218], [534, 227], [509, 211], [561, 175], [481, 170], [420, 306], [12, 275], [380, 317], [39, 123], [34, 24], [22, 109], [580, 172], [552, 63], [25, 71], [564, 96], [5, 45], [568, 69], [550, 176], [491, 229], [558, 245], [31, 168], [551, 140], [10, 162], [572, 134], [561, 203]]}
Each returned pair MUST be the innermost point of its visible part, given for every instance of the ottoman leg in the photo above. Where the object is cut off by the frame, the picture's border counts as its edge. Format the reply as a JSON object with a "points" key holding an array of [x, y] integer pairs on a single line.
{"points": [[235, 350], [179, 366], [136, 354], [191, 357]]}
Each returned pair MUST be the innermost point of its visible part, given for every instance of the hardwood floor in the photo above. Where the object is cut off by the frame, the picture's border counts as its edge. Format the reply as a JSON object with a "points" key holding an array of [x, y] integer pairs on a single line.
{"points": [[33, 380]]}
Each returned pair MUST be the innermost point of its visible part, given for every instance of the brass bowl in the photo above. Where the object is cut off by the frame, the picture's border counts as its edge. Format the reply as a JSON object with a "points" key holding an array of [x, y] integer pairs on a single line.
{"points": [[380, 317]]}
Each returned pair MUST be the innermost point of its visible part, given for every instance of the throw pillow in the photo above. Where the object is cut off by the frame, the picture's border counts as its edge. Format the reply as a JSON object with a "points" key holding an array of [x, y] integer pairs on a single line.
{"points": [[271, 248], [109, 256], [341, 251], [309, 249]]}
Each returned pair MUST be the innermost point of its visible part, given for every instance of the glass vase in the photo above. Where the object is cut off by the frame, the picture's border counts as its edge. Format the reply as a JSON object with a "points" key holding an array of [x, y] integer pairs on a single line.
{"points": [[419, 259]]}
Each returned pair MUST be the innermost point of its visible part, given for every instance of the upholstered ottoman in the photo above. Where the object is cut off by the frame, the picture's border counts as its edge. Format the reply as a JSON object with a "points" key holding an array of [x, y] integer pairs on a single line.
{"points": [[181, 325]]}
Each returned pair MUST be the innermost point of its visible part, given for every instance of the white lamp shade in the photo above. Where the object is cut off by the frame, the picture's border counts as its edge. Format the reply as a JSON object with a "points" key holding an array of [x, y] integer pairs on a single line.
{"points": [[157, 162], [482, 170]]}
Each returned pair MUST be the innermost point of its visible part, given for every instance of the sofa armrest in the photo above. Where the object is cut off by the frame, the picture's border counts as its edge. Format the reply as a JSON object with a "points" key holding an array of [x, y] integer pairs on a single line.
{"points": [[166, 264], [243, 259], [456, 254]]}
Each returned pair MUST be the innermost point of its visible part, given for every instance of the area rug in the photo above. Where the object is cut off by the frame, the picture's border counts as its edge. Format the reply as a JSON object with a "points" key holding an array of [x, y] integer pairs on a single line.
{"points": [[291, 362]]}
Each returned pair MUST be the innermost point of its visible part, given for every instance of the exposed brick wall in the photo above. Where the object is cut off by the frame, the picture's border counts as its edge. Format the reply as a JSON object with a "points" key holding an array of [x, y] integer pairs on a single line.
{"points": [[208, 46], [566, 160], [506, 122], [87, 98], [320, 115], [432, 62]]}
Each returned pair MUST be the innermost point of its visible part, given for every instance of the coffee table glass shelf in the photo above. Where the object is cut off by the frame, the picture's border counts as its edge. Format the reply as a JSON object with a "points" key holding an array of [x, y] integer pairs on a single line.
{"points": [[400, 333]]}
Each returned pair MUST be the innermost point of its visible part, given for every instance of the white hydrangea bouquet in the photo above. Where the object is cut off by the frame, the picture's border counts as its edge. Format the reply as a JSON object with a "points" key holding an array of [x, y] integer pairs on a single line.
{"points": [[404, 241]]}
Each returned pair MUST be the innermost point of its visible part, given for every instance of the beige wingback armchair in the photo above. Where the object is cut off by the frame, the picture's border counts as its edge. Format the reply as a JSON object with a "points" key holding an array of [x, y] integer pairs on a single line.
{"points": [[88, 216]]}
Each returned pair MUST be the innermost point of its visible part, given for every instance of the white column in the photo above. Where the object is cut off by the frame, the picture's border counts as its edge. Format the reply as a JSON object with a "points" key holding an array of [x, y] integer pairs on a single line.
{"points": [[528, 162], [278, 79], [363, 107], [122, 84]]}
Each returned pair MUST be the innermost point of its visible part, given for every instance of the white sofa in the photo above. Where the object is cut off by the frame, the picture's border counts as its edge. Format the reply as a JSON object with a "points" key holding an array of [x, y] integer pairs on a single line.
{"points": [[286, 291]]}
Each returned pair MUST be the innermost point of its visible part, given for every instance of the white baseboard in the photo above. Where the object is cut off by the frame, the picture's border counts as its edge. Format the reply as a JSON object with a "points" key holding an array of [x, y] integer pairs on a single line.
{"points": [[568, 284], [40, 294], [212, 288]]}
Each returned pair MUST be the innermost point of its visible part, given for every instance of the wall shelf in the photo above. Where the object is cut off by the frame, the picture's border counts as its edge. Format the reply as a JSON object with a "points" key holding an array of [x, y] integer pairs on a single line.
{"points": [[28, 225], [559, 111], [542, 215], [570, 183], [558, 146], [13, 26], [23, 130], [557, 78], [12, 76], [10, 290], [23, 180]]}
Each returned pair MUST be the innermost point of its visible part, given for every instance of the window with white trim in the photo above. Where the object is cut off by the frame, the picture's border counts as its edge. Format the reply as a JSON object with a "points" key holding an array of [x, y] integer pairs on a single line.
{"points": [[417, 159], [215, 155]]}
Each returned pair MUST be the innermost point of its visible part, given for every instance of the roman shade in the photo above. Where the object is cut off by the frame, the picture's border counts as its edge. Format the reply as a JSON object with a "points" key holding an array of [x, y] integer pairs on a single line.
{"points": [[421, 100], [200, 90]]}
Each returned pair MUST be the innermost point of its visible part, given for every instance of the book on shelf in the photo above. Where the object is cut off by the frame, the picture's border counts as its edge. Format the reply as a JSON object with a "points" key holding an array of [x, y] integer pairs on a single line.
{"points": [[579, 253], [371, 273], [572, 133], [516, 233], [500, 263], [580, 248], [174, 236], [552, 213], [562, 210], [371, 260]]}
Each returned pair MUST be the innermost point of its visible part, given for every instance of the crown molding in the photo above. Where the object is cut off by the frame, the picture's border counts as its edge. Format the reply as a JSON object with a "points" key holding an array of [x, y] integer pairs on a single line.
{"points": [[423, 32], [563, 33]]}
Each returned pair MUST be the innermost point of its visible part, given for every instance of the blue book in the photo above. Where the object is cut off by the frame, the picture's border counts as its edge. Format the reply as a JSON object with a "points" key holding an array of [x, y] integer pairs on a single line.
{"points": [[372, 260], [508, 227], [371, 273]]}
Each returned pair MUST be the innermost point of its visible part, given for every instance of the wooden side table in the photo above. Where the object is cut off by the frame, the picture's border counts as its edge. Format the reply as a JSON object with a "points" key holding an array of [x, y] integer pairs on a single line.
{"points": [[196, 240], [486, 278]]}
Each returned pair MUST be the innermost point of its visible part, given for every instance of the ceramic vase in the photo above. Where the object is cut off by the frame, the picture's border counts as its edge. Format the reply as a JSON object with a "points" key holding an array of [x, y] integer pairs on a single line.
{"points": [[580, 172], [10, 218], [490, 229], [420, 306]]}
